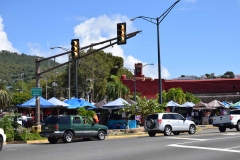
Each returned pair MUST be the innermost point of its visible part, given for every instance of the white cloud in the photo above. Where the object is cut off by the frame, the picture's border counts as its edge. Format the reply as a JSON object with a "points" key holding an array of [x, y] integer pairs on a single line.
{"points": [[5, 44], [191, 1], [103, 27]]}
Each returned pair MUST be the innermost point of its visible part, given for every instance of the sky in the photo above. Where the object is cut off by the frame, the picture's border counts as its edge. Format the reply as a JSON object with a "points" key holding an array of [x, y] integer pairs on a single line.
{"points": [[196, 37]]}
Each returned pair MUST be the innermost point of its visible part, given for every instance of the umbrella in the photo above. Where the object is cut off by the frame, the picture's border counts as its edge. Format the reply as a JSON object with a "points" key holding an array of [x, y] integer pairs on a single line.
{"points": [[188, 104], [32, 103], [116, 104], [237, 105], [57, 102], [78, 103], [201, 105], [215, 104]]}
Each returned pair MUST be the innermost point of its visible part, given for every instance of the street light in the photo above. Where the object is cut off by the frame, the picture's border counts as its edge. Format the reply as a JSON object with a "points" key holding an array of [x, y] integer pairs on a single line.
{"points": [[69, 68], [134, 79], [158, 21]]}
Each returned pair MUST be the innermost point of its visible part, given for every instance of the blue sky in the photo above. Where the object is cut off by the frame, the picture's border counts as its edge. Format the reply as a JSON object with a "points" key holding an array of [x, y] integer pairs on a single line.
{"points": [[196, 37]]}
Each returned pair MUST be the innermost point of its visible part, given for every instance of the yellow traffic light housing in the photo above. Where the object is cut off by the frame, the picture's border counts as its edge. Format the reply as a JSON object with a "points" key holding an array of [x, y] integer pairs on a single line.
{"points": [[75, 48], [121, 33]]}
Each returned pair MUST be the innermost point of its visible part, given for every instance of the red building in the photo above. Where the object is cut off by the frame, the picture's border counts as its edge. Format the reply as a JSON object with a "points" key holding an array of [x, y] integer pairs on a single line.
{"points": [[149, 87]]}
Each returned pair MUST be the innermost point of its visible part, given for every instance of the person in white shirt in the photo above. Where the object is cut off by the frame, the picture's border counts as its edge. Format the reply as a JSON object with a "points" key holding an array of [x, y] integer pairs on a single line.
{"points": [[24, 119]]}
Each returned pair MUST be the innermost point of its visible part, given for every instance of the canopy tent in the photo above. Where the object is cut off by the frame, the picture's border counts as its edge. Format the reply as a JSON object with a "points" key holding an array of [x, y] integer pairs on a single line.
{"points": [[216, 104], [32, 103], [116, 104], [100, 104], [188, 104], [173, 104], [57, 102], [75, 103], [236, 105], [227, 104], [201, 105]]}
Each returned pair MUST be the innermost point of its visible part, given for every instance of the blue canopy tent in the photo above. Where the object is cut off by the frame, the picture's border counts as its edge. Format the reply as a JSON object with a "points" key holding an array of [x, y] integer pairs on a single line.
{"points": [[75, 103], [32, 103]]}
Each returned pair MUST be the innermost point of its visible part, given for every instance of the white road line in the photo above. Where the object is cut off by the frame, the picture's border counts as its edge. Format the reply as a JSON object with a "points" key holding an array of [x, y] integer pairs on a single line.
{"points": [[192, 139], [233, 147], [11, 149], [204, 148], [229, 134]]}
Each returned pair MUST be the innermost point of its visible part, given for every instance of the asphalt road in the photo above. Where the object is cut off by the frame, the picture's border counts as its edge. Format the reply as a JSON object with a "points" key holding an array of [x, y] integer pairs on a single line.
{"points": [[205, 145]]}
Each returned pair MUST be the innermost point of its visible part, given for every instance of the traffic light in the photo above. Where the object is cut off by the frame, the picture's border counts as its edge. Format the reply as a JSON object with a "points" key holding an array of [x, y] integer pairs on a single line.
{"points": [[75, 48], [121, 33]]}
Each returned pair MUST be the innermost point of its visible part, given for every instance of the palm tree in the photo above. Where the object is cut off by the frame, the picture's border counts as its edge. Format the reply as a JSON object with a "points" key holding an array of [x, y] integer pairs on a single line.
{"points": [[5, 96], [116, 89], [177, 95]]}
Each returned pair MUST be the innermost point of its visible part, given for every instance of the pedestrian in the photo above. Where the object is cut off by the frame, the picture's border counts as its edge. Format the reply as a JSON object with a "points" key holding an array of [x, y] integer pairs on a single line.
{"points": [[24, 119]]}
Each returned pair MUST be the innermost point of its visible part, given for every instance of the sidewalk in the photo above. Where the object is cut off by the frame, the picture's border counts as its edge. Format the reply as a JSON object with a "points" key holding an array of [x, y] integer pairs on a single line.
{"points": [[116, 133]]}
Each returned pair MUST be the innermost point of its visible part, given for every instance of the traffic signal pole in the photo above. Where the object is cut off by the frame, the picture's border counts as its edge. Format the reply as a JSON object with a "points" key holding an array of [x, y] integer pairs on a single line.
{"points": [[38, 72]]}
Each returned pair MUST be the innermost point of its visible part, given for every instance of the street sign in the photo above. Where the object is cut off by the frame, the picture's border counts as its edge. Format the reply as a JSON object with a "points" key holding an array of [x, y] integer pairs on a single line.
{"points": [[36, 91]]}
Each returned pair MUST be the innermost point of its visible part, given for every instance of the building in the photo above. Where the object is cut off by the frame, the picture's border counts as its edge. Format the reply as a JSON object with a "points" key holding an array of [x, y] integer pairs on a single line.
{"points": [[222, 89]]}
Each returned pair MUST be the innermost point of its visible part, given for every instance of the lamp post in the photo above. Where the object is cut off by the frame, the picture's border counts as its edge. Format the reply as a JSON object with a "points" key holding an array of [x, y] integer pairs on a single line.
{"points": [[134, 78], [69, 68], [158, 21]]}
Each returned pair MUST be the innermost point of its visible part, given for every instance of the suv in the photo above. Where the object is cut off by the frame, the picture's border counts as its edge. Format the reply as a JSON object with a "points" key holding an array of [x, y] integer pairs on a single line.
{"points": [[67, 127], [168, 123], [2, 138]]}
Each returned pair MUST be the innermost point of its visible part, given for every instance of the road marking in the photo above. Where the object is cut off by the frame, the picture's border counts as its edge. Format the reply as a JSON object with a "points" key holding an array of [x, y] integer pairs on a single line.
{"points": [[233, 147], [204, 148], [229, 134], [192, 139], [11, 149]]}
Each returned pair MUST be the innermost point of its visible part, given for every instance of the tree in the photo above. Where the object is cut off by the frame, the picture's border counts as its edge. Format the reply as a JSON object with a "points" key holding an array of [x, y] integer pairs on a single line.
{"points": [[116, 89], [177, 95], [19, 98], [229, 74], [191, 98], [5, 96]]}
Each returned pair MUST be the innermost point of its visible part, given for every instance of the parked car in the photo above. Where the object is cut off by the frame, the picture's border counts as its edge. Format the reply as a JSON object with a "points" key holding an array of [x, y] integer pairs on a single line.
{"points": [[231, 120], [2, 138], [168, 123], [67, 127]]}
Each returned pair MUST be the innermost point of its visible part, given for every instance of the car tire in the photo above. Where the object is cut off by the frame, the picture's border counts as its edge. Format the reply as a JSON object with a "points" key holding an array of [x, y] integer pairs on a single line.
{"points": [[150, 123], [167, 131], [68, 137], [1, 143], [176, 133], [52, 140], [222, 129], [238, 126], [192, 129], [151, 134], [101, 135]]}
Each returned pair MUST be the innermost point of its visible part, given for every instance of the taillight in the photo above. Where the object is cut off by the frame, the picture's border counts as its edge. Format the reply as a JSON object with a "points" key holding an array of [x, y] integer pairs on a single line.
{"points": [[231, 117], [56, 127], [159, 121]]}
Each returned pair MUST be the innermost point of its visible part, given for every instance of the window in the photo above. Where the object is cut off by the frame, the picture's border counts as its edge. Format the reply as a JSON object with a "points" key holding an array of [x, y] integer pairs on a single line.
{"points": [[177, 116], [76, 120], [153, 116], [50, 120], [166, 116], [86, 120], [63, 120], [171, 116]]}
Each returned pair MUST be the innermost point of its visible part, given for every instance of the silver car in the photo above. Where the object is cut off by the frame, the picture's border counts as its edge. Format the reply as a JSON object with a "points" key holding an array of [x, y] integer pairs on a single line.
{"points": [[168, 123]]}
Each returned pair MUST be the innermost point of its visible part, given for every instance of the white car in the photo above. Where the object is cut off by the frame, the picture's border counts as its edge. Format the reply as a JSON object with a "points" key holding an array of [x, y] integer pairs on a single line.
{"points": [[2, 138], [168, 123]]}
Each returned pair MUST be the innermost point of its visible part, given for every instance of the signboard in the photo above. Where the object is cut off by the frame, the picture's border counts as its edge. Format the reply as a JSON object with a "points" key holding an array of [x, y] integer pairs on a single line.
{"points": [[36, 91]]}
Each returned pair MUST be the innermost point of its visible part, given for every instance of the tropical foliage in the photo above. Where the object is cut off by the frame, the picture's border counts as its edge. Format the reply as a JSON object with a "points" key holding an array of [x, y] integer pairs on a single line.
{"points": [[5, 96]]}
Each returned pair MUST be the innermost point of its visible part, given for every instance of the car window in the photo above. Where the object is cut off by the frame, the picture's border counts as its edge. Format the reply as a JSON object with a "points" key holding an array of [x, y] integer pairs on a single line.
{"points": [[86, 120], [153, 116], [63, 120], [177, 116], [76, 120], [50, 120], [166, 116], [171, 116]]}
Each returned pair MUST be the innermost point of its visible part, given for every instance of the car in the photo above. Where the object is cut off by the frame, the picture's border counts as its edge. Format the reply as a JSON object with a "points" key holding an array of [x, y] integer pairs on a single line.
{"points": [[168, 123], [2, 138], [68, 127]]}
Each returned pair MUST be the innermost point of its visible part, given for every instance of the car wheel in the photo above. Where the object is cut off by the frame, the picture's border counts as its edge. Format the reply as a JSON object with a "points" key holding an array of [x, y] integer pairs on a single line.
{"points": [[150, 123], [238, 126], [68, 137], [192, 129], [151, 134], [52, 140], [222, 129], [101, 135], [167, 131], [176, 133], [1, 143]]}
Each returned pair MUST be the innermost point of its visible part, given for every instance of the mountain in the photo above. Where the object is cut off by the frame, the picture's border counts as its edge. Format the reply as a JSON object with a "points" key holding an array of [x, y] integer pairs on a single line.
{"points": [[15, 66]]}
